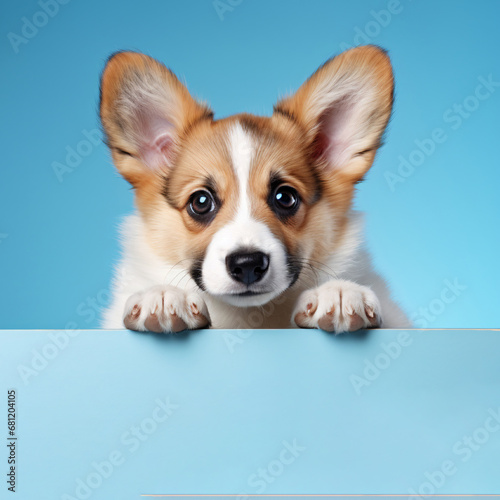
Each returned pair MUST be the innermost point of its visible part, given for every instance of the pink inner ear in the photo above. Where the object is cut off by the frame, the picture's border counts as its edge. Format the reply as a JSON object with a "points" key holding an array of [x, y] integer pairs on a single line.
{"points": [[157, 154], [156, 141], [337, 133]]}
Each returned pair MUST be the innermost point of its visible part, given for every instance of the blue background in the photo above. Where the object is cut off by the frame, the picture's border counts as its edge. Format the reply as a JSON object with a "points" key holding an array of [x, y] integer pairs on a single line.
{"points": [[58, 238]]}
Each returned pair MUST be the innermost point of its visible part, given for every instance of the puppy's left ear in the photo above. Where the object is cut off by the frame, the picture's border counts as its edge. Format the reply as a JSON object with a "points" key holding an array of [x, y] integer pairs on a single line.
{"points": [[343, 109]]}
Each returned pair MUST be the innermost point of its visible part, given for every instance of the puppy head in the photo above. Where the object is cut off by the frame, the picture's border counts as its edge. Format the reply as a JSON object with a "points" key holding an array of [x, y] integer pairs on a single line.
{"points": [[246, 203]]}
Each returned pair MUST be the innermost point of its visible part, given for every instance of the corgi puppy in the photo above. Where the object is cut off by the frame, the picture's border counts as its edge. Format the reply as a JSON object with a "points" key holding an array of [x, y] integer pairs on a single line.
{"points": [[246, 221]]}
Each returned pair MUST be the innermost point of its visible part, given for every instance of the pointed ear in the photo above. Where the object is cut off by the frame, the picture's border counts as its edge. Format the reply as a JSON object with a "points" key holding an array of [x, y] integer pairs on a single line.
{"points": [[344, 108], [144, 111]]}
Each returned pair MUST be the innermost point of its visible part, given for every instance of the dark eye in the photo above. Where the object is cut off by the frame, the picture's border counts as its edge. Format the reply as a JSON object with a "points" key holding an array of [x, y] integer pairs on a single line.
{"points": [[202, 206], [286, 200]]}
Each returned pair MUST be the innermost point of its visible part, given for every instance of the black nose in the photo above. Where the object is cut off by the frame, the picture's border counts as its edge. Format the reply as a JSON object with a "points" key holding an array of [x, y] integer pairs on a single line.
{"points": [[247, 268]]}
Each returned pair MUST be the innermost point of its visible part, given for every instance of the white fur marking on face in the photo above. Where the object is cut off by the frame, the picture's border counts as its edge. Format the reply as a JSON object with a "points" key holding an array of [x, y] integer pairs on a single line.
{"points": [[241, 148], [244, 232]]}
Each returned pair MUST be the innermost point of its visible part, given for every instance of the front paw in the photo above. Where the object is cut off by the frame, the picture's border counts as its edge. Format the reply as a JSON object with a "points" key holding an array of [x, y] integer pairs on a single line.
{"points": [[338, 306], [165, 309]]}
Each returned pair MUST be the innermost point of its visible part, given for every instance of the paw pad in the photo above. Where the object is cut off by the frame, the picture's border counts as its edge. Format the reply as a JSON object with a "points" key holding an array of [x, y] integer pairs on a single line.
{"points": [[152, 323], [326, 322]]}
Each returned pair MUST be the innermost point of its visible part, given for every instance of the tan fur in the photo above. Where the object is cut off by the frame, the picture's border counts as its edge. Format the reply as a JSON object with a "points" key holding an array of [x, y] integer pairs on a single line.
{"points": [[286, 145], [367, 65], [173, 234], [121, 67]]}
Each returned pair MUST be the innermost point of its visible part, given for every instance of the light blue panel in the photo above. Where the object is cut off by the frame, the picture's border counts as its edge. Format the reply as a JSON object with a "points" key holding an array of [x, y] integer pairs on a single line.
{"points": [[385, 412], [58, 237]]}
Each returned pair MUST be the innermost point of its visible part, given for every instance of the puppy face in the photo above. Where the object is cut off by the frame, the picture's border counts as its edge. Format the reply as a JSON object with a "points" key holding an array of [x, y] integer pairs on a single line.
{"points": [[244, 204], [246, 199]]}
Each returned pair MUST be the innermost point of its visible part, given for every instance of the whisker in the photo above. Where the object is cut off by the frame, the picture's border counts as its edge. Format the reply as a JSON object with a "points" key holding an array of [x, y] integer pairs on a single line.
{"points": [[165, 280], [183, 277]]}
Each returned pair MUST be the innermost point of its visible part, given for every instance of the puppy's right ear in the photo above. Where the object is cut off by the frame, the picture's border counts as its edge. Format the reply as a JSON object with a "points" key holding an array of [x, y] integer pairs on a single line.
{"points": [[144, 112]]}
